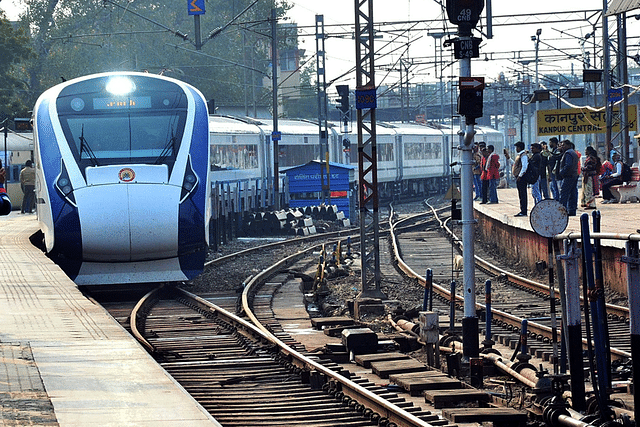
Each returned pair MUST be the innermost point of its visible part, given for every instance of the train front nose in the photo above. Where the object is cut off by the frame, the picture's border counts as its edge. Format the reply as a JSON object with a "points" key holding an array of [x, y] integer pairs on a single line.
{"points": [[130, 218]]}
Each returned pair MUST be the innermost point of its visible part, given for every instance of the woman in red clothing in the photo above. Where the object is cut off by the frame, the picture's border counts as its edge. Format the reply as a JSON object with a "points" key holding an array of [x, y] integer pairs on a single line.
{"points": [[490, 175]]}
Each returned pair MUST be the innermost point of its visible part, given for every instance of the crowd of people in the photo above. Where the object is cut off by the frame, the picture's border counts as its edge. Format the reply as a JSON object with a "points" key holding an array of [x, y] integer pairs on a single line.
{"points": [[552, 171]]}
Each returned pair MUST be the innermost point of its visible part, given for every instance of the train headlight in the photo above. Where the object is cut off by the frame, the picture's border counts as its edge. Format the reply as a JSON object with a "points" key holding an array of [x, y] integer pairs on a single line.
{"points": [[190, 181], [63, 185], [120, 85]]}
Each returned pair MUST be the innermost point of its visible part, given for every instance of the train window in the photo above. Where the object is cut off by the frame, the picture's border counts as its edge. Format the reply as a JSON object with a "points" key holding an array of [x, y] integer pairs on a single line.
{"points": [[385, 152], [112, 139], [294, 155], [422, 150], [235, 156], [142, 121]]}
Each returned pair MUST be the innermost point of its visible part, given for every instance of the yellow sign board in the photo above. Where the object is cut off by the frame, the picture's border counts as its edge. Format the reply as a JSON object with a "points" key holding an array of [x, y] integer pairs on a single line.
{"points": [[573, 121]]}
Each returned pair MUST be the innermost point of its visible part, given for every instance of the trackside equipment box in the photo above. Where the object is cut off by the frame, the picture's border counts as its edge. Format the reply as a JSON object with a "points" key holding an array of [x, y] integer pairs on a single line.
{"points": [[305, 185]]}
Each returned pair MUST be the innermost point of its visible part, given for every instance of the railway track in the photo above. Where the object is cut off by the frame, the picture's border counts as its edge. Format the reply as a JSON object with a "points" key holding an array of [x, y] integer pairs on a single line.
{"points": [[514, 298], [245, 376], [256, 375], [207, 369]]}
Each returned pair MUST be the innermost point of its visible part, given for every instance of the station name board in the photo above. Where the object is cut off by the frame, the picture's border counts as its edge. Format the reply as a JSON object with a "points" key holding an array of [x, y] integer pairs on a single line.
{"points": [[574, 121]]}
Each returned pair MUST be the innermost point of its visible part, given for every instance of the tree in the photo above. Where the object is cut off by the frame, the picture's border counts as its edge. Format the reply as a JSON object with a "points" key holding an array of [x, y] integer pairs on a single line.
{"points": [[14, 49], [72, 38], [306, 105]]}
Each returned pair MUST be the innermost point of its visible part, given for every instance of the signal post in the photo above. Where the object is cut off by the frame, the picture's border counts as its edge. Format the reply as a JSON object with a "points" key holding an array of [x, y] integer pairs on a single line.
{"points": [[466, 14], [345, 109]]}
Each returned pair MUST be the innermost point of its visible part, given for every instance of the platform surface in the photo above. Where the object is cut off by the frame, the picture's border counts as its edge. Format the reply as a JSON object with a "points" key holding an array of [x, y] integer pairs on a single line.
{"points": [[58, 348], [622, 218]]}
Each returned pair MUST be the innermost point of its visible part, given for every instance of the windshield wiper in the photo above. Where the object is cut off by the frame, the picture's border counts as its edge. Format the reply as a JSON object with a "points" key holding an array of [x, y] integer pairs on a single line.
{"points": [[84, 147], [167, 150]]}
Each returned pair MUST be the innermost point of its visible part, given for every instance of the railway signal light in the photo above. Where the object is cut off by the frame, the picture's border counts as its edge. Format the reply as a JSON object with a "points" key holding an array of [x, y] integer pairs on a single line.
{"points": [[471, 99], [343, 101], [464, 13], [456, 212]]}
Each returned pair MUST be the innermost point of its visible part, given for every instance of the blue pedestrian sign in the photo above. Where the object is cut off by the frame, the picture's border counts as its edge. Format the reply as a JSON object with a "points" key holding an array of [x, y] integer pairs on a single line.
{"points": [[195, 7]]}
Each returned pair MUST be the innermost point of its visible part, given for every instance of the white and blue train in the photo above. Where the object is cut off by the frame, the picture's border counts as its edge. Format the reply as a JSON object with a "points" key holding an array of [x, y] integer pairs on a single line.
{"points": [[413, 159], [122, 178]]}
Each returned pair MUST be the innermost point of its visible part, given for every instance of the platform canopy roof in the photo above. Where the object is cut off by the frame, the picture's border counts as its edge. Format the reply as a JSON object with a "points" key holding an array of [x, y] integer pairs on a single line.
{"points": [[621, 6]]}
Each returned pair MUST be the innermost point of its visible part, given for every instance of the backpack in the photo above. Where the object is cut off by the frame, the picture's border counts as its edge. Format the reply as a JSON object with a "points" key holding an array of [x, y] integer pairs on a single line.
{"points": [[626, 173], [532, 173]]}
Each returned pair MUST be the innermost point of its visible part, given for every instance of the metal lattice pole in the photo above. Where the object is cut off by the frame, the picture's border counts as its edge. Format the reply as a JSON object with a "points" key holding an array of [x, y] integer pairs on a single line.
{"points": [[367, 155], [321, 86]]}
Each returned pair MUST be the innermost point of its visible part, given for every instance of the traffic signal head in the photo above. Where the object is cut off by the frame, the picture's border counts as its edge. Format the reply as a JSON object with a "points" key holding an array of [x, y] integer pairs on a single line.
{"points": [[465, 13], [343, 101], [470, 104]]}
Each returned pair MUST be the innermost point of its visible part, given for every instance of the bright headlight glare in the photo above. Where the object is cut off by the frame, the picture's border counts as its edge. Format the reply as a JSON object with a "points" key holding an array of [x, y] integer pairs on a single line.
{"points": [[119, 85]]}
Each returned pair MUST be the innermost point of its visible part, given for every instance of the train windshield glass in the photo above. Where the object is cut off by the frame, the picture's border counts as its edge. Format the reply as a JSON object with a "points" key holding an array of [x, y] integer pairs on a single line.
{"points": [[144, 124], [129, 137]]}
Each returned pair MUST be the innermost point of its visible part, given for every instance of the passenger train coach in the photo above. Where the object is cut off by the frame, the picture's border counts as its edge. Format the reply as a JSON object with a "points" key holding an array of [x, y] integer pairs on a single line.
{"points": [[413, 159], [122, 178]]}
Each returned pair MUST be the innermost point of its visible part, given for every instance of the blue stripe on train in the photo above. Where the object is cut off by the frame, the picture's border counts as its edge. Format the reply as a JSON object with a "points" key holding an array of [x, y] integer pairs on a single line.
{"points": [[192, 246], [66, 222]]}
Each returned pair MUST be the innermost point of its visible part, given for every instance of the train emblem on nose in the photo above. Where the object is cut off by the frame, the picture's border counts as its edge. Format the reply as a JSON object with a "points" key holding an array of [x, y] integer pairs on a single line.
{"points": [[126, 175]]}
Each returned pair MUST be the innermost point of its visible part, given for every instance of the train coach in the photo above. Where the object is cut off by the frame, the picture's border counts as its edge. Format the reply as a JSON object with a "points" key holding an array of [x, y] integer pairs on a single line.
{"points": [[413, 159], [122, 178]]}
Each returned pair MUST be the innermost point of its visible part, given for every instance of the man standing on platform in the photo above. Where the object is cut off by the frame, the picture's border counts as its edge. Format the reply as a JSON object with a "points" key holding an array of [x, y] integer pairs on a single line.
{"points": [[520, 166], [568, 169], [543, 182], [554, 160], [535, 163], [28, 184]]}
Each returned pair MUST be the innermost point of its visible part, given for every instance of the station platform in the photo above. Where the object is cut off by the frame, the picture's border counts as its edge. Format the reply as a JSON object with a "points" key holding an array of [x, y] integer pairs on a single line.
{"points": [[64, 361], [621, 218], [516, 239]]}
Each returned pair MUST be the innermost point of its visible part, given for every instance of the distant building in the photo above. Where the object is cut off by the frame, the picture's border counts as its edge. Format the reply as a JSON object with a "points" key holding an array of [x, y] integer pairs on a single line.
{"points": [[288, 64]]}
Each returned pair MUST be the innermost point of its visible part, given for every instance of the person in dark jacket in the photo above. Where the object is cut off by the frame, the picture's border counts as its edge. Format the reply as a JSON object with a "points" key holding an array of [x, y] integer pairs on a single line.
{"points": [[535, 162], [614, 178], [520, 165], [568, 172], [554, 160]]}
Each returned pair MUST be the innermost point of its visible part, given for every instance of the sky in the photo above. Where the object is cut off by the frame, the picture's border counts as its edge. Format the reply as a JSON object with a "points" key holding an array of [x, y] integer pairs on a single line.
{"points": [[510, 52]]}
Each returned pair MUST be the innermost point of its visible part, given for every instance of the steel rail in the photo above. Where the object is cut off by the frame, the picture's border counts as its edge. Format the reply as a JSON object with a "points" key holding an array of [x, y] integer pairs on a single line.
{"points": [[138, 318], [354, 391], [498, 315], [297, 240], [619, 312]]}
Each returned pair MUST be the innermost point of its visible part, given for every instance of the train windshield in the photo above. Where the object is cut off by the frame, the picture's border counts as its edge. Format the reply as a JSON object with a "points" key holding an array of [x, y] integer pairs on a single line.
{"points": [[143, 125]]}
